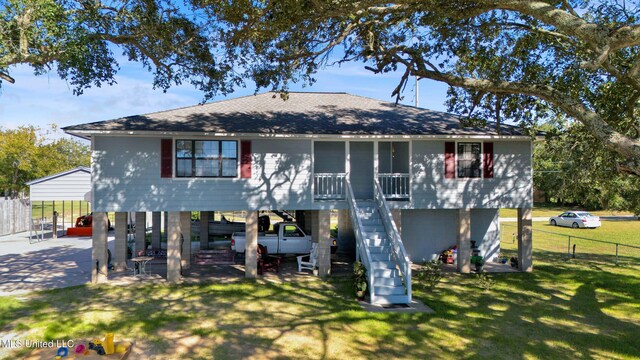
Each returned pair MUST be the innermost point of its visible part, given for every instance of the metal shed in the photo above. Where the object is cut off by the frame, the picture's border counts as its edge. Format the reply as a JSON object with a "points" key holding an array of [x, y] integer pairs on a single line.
{"points": [[70, 185]]}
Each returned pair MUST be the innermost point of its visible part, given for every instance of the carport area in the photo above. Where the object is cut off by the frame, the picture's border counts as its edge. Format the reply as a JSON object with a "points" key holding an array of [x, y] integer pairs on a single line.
{"points": [[175, 260], [71, 190], [66, 261]]}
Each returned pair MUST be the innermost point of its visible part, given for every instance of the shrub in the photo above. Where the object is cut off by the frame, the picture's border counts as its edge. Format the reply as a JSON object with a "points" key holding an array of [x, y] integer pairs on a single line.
{"points": [[431, 273], [359, 276], [485, 281]]}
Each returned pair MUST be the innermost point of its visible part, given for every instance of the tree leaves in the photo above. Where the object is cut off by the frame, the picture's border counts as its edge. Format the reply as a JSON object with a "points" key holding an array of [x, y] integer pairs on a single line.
{"points": [[28, 153]]}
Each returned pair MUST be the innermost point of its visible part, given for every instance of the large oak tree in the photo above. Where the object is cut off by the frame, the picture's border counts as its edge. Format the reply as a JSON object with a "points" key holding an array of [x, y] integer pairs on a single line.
{"points": [[514, 60]]}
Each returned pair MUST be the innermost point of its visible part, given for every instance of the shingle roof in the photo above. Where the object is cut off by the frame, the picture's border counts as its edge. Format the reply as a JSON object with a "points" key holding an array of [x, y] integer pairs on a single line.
{"points": [[302, 113]]}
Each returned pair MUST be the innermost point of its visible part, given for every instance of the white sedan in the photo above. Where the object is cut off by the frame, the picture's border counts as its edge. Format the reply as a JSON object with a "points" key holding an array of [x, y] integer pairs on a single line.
{"points": [[575, 219]]}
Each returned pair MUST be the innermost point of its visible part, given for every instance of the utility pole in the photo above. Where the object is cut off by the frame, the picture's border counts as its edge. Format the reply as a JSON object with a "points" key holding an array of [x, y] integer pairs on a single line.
{"points": [[417, 101]]}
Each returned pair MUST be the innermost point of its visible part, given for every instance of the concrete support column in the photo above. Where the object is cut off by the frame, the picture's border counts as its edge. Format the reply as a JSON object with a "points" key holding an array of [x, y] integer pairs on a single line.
{"points": [[525, 240], [141, 232], [464, 241], [251, 245], [185, 228], [396, 214], [156, 219], [99, 255], [324, 242], [204, 229], [120, 242], [173, 247]]}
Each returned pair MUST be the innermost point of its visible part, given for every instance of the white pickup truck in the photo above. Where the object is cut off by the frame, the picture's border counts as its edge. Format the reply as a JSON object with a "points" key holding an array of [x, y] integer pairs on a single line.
{"points": [[287, 238]]}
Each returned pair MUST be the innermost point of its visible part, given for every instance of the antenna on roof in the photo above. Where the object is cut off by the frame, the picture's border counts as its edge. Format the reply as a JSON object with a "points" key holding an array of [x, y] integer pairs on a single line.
{"points": [[416, 92]]}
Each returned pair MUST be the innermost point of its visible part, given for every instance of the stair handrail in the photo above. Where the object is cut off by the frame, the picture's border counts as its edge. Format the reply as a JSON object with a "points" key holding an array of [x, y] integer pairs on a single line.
{"points": [[393, 234], [361, 249]]}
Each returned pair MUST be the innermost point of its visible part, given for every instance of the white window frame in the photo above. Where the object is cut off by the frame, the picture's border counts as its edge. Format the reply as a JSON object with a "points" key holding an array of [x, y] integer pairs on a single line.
{"points": [[205, 178], [481, 159]]}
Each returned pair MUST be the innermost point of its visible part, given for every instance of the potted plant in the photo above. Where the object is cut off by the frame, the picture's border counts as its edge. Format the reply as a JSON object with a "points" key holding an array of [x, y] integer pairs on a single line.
{"points": [[359, 279], [514, 262], [479, 265]]}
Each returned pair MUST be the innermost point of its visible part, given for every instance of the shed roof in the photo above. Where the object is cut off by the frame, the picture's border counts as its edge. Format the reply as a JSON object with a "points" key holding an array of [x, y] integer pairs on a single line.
{"points": [[54, 176], [303, 113]]}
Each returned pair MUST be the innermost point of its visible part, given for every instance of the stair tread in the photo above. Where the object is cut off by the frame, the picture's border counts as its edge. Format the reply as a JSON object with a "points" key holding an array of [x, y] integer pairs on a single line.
{"points": [[391, 299]]}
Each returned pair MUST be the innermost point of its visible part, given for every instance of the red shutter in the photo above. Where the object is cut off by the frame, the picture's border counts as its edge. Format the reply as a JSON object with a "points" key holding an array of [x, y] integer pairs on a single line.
{"points": [[245, 159], [166, 158], [450, 160], [487, 159]]}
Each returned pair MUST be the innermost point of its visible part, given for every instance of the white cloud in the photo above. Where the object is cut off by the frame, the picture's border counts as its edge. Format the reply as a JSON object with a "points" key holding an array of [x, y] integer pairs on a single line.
{"points": [[46, 99]]}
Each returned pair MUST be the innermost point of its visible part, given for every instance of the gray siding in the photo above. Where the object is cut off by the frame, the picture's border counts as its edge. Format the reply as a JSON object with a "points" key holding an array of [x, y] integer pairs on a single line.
{"points": [[127, 178], [485, 231], [426, 233], [126, 174], [511, 186], [72, 186]]}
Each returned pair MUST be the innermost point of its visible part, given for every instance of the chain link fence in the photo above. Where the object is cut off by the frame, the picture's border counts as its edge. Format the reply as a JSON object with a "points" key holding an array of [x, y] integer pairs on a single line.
{"points": [[555, 245]]}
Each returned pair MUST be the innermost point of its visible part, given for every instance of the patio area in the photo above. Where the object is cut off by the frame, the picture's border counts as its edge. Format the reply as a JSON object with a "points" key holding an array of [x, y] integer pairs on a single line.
{"points": [[66, 261]]}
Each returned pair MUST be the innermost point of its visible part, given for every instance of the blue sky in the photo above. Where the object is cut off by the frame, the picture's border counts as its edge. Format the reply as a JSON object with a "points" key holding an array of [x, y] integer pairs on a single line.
{"points": [[46, 99]]}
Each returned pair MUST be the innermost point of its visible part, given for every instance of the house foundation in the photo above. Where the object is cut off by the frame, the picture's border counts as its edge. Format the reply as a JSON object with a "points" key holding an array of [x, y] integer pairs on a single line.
{"points": [[464, 241], [141, 232], [99, 255], [174, 239], [251, 245], [322, 220], [525, 240], [119, 260]]}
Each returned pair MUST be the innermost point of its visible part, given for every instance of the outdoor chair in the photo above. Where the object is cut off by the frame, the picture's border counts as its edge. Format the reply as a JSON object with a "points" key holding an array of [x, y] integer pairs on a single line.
{"points": [[267, 262], [313, 258]]}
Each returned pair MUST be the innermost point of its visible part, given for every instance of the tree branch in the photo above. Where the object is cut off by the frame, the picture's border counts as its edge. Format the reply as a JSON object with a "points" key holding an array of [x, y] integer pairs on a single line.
{"points": [[625, 146], [131, 40], [6, 77]]}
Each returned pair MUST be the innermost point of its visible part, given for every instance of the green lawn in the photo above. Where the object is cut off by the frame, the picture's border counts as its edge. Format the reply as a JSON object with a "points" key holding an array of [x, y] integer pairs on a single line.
{"points": [[579, 308], [40, 209], [621, 232], [545, 210]]}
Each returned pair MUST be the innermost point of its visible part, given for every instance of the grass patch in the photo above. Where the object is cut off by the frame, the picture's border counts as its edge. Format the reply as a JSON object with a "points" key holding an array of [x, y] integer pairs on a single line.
{"points": [[579, 308], [553, 241], [547, 210]]}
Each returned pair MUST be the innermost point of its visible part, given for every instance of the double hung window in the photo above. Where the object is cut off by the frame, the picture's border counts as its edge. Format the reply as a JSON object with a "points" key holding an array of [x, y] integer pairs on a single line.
{"points": [[469, 161], [206, 158]]}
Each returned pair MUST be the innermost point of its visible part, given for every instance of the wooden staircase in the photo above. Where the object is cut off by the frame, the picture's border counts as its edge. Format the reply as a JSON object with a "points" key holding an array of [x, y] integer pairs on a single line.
{"points": [[388, 286]]}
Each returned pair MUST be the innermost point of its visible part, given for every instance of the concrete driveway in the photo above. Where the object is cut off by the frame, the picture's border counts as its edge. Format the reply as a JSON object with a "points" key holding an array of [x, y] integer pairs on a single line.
{"points": [[48, 264]]}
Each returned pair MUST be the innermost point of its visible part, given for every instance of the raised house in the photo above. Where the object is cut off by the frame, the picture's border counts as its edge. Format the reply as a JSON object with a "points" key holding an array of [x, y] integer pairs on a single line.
{"points": [[408, 182]]}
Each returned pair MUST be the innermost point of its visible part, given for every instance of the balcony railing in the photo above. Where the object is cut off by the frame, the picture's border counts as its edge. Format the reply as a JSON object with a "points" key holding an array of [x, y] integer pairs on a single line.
{"points": [[329, 186], [395, 186]]}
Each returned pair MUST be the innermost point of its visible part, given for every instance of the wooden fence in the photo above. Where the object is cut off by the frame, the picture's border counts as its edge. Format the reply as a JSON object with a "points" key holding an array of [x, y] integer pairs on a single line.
{"points": [[14, 216]]}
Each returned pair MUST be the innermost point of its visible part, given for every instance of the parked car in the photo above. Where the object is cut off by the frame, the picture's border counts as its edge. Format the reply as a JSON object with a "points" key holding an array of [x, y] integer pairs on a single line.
{"points": [[575, 219]]}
